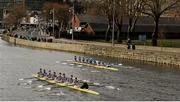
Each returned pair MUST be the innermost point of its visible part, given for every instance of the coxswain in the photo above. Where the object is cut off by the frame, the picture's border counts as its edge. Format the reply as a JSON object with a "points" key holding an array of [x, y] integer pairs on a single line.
{"points": [[40, 72], [64, 79], [71, 79], [85, 85], [75, 58]]}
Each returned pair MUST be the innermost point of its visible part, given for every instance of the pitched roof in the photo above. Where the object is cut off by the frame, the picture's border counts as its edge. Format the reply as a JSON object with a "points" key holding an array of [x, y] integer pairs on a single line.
{"points": [[99, 27], [145, 20], [146, 24], [92, 19]]}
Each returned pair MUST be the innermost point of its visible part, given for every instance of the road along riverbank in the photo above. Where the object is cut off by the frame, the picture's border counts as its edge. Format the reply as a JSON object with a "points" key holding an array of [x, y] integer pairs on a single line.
{"points": [[159, 55]]}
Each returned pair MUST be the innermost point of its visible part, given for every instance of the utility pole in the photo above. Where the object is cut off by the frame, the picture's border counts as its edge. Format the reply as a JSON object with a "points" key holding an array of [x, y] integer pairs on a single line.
{"points": [[14, 2], [24, 4], [53, 20], [73, 22], [113, 22]]}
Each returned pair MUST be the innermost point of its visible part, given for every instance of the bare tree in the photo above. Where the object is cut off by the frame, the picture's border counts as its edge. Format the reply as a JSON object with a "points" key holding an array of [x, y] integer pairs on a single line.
{"points": [[106, 8], [119, 15], [90, 7], [61, 13], [133, 10], [155, 9], [15, 14]]}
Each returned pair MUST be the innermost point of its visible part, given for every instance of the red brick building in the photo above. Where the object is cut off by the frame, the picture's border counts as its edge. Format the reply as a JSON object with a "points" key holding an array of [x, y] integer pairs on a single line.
{"points": [[89, 25]]}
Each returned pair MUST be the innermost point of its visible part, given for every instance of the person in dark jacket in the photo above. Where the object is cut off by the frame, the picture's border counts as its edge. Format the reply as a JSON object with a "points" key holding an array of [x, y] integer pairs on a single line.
{"points": [[85, 85]]}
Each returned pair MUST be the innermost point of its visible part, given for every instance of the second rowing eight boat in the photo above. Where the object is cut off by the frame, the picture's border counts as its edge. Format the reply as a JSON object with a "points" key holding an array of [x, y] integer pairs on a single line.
{"points": [[96, 66]]}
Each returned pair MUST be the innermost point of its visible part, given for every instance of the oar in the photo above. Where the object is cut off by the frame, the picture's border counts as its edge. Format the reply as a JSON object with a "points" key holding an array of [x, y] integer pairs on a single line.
{"points": [[26, 78], [90, 83]]}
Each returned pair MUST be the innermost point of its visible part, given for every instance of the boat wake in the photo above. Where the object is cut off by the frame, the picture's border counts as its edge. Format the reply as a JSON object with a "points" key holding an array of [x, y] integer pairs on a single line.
{"points": [[21, 79], [84, 69], [79, 65], [48, 88], [71, 64], [110, 87], [25, 83], [119, 64], [86, 81], [22, 84], [69, 60], [57, 62], [118, 89], [98, 84], [57, 94], [40, 86], [64, 63], [94, 71]]}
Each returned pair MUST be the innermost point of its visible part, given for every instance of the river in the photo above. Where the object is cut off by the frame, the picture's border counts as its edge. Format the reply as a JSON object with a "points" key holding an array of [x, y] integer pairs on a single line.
{"points": [[133, 81]]}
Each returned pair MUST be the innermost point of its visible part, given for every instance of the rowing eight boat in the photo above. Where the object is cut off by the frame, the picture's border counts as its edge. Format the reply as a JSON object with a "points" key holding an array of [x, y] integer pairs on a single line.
{"points": [[75, 87], [96, 66]]}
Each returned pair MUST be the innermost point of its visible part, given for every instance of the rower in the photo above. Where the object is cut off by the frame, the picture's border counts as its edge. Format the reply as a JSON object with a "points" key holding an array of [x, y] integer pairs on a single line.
{"points": [[64, 79], [54, 76], [49, 74], [75, 81], [98, 63], [79, 58], [94, 62], [71, 79], [108, 65], [40, 72], [83, 60], [87, 60], [44, 73], [102, 63], [75, 58], [90, 61], [59, 78], [85, 85]]}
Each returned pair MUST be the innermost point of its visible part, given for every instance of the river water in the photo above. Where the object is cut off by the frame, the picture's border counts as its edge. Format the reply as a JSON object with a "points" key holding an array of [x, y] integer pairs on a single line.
{"points": [[133, 81]]}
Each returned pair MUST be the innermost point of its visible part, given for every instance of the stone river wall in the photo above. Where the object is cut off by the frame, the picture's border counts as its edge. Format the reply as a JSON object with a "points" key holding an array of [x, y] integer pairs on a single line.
{"points": [[160, 55]]}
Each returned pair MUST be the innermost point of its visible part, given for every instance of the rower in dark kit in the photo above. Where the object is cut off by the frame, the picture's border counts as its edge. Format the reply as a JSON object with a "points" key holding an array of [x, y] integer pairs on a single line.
{"points": [[54, 76], [49, 75], [71, 79], [59, 78], [75, 58], [79, 58], [40, 72], [64, 79], [44, 73], [75, 81]]}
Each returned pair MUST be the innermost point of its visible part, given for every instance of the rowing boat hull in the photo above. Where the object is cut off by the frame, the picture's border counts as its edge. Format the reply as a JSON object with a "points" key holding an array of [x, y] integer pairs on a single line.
{"points": [[96, 66], [66, 85]]}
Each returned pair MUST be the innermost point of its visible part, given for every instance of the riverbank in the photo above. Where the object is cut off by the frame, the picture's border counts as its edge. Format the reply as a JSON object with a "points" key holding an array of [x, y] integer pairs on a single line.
{"points": [[159, 55]]}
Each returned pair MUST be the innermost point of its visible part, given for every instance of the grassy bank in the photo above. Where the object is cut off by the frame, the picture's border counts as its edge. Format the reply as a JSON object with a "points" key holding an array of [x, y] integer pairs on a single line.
{"points": [[162, 43], [175, 43]]}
